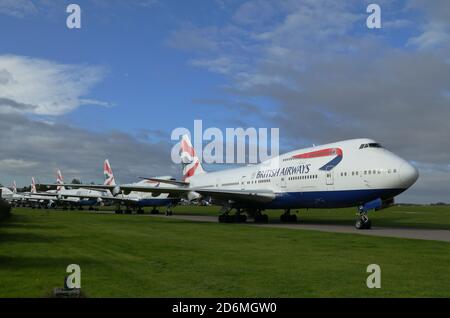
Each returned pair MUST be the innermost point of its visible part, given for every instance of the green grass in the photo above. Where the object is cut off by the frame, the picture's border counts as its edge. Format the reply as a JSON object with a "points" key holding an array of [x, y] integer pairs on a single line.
{"points": [[415, 216], [142, 256]]}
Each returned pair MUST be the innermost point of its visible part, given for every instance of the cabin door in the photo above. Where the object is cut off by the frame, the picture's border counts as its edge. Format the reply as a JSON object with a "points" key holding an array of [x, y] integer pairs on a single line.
{"points": [[243, 182], [329, 176]]}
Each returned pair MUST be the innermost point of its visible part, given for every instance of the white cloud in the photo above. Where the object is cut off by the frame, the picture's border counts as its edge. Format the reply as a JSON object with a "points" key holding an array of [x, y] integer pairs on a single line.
{"points": [[46, 87], [13, 164], [17, 8], [433, 35]]}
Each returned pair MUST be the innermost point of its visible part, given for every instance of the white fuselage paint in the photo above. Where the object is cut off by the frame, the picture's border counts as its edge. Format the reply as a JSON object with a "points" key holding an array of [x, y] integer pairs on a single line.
{"points": [[362, 174]]}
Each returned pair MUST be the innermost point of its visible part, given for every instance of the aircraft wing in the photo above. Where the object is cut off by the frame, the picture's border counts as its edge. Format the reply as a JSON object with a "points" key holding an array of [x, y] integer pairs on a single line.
{"points": [[234, 195], [43, 194], [173, 182], [97, 187], [259, 196]]}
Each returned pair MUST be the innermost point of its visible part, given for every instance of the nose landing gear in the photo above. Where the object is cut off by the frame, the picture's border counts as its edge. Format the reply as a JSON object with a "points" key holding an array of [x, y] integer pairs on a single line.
{"points": [[363, 222]]}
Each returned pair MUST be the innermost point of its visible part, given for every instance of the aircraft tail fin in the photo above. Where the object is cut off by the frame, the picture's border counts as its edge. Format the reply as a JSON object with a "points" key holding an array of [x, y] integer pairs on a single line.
{"points": [[189, 159], [33, 185], [108, 173], [14, 187], [59, 181]]}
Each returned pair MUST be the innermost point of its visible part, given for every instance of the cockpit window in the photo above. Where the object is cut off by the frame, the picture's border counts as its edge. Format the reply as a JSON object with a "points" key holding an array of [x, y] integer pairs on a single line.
{"points": [[370, 145]]}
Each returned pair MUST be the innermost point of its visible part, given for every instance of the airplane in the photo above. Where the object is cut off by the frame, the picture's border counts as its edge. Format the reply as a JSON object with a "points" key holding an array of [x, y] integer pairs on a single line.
{"points": [[351, 173], [6, 194], [75, 197], [132, 200], [17, 198], [36, 199], [11, 195], [138, 200]]}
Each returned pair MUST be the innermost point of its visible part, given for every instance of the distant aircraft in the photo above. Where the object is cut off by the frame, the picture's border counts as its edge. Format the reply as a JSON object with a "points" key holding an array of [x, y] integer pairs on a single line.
{"points": [[137, 200], [37, 200], [356, 172], [67, 198], [17, 198], [7, 194], [131, 200]]}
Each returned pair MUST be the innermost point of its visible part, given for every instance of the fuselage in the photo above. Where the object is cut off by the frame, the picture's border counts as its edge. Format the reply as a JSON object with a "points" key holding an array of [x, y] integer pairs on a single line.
{"points": [[146, 199], [341, 174], [7, 194]]}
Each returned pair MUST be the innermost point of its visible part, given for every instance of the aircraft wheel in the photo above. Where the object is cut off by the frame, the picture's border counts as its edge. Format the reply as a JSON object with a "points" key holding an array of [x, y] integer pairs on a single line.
{"points": [[362, 224], [359, 224], [240, 218]]}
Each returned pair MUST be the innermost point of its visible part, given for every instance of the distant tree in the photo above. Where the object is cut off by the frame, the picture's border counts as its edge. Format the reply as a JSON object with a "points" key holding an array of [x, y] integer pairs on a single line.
{"points": [[76, 181], [26, 189]]}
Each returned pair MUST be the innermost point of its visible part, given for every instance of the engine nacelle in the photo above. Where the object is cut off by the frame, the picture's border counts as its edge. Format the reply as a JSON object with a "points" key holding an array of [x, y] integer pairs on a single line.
{"points": [[116, 191], [192, 195], [155, 195], [51, 204]]}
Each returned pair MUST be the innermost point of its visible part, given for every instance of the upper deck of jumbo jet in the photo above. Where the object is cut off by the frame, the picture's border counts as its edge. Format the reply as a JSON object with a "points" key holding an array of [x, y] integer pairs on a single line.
{"points": [[343, 144]]}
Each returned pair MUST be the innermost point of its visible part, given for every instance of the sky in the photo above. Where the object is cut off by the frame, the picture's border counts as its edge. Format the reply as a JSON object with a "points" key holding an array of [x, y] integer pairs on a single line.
{"points": [[136, 70]]}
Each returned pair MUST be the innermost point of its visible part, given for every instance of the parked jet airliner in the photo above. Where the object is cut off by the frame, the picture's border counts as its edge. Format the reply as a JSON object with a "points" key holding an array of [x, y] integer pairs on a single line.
{"points": [[138, 200], [132, 200], [356, 172]]}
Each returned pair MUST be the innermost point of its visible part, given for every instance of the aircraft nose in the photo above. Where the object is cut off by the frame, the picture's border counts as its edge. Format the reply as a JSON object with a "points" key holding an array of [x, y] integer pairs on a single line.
{"points": [[408, 174]]}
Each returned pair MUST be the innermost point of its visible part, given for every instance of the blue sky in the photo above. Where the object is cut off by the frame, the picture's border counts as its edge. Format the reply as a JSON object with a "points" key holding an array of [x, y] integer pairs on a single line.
{"points": [[138, 69]]}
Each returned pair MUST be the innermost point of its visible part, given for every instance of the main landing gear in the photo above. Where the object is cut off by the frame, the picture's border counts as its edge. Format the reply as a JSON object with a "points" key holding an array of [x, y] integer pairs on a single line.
{"points": [[287, 217], [363, 222], [240, 217], [154, 211], [226, 217], [139, 210]]}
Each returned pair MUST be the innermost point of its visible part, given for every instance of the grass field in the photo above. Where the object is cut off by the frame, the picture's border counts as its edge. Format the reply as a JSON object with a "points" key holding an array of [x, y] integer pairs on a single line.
{"points": [[414, 216], [142, 256]]}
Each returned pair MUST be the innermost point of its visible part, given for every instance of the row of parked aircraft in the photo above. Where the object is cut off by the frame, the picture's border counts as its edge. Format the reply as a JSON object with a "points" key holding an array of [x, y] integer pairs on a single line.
{"points": [[79, 197], [352, 173]]}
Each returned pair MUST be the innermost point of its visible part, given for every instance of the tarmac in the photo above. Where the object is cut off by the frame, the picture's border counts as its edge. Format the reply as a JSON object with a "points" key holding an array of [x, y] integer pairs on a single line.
{"points": [[409, 233]]}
